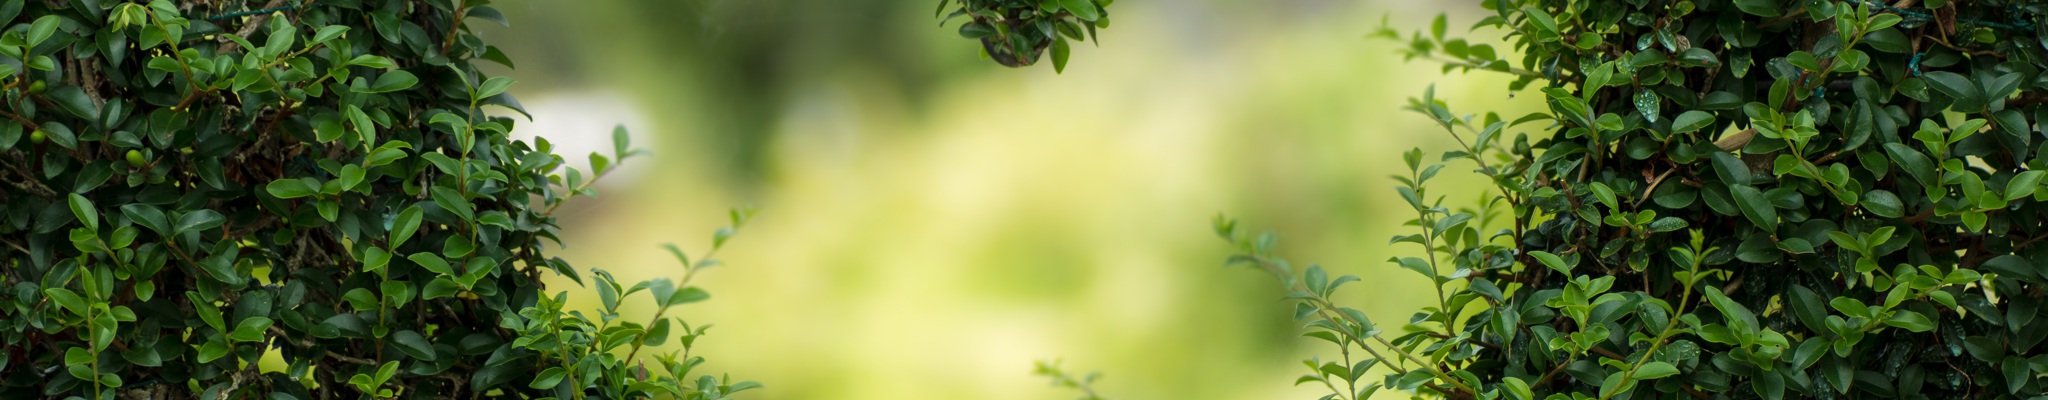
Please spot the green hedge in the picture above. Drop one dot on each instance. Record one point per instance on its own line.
(1741, 199)
(192, 186)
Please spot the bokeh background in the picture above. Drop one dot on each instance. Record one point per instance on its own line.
(932, 222)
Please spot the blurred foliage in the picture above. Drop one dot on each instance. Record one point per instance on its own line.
(930, 227)
(752, 56)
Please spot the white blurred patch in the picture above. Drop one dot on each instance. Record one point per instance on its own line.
(578, 123)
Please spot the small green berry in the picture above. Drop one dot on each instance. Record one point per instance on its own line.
(37, 137)
(135, 159)
(36, 87)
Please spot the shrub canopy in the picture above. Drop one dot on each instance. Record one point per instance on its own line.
(1016, 33)
(192, 187)
(1749, 198)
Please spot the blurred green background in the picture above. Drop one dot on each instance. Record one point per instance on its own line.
(932, 222)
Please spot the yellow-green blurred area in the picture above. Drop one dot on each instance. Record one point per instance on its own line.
(932, 222)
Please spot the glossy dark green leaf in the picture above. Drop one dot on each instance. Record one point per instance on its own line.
(453, 202)
(1755, 207)
(198, 220)
(293, 188)
(1083, 9)
(148, 216)
(1731, 169)
(1761, 8)
(432, 263)
(1913, 162)
(86, 213)
(1552, 261)
(73, 100)
(1691, 121)
(251, 330)
(548, 378)
(1883, 203)
(405, 224)
(391, 82)
(413, 345)
(1656, 369)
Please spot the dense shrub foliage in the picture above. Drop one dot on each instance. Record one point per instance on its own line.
(191, 187)
(1015, 33)
(1746, 198)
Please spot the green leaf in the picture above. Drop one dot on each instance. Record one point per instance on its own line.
(67, 299)
(145, 357)
(1518, 388)
(329, 32)
(212, 351)
(328, 130)
(251, 330)
(1883, 203)
(290, 188)
(1914, 163)
(1691, 121)
(413, 345)
(1605, 195)
(42, 29)
(656, 335)
(1083, 9)
(1755, 207)
(388, 370)
(207, 312)
(440, 287)
(1060, 52)
(1656, 369)
(351, 175)
(73, 100)
(2023, 185)
(1553, 261)
(1968, 98)
(1761, 8)
(1808, 307)
(198, 220)
(1738, 317)
(371, 61)
(1731, 169)
(453, 202)
(148, 216)
(1910, 320)
(688, 295)
(375, 258)
(432, 263)
(1648, 103)
(361, 299)
(493, 86)
(547, 379)
(77, 356)
(392, 81)
(622, 142)
(402, 228)
(2016, 371)
(83, 209)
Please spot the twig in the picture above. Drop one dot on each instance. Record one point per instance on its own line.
(1653, 186)
(347, 359)
(454, 27)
